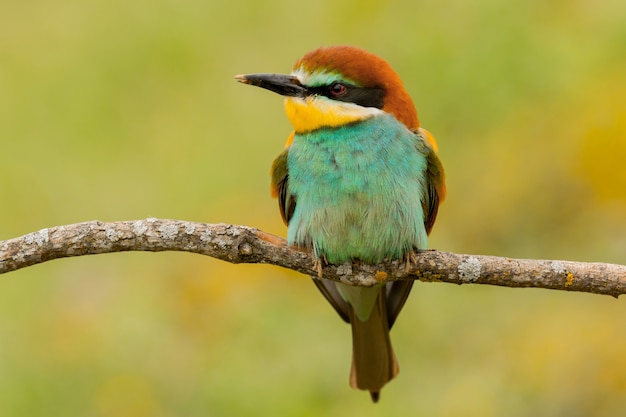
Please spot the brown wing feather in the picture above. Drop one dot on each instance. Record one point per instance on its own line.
(436, 189)
(397, 292)
(330, 292)
(280, 186)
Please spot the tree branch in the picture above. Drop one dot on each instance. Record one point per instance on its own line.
(242, 244)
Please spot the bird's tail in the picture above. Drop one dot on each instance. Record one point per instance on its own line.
(373, 361)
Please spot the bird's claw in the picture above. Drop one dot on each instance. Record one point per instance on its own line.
(409, 258)
(317, 265)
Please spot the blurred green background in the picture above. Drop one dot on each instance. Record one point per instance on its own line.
(119, 110)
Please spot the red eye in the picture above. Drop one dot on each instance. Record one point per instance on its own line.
(337, 89)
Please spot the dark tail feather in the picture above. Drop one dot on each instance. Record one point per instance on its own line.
(373, 361)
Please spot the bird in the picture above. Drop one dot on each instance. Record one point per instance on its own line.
(358, 181)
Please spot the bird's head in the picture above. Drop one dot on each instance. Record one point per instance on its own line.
(336, 85)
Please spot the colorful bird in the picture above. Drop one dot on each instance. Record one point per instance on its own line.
(358, 181)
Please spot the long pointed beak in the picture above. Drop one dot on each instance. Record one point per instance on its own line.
(285, 85)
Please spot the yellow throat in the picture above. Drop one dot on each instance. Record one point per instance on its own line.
(313, 112)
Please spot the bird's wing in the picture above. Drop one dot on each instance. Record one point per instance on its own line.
(397, 292)
(435, 191)
(280, 186)
(433, 195)
(330, 292)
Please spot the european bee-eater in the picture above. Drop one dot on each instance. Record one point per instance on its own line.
(358, 181)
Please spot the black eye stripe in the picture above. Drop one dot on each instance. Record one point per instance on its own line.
(362, 96)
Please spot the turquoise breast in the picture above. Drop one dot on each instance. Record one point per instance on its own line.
(359, 191)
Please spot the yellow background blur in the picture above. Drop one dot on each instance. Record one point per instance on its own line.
(119, 110)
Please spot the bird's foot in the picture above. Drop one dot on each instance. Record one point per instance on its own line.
(409, 258)
(318, 265)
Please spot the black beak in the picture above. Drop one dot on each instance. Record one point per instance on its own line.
(285, 85)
